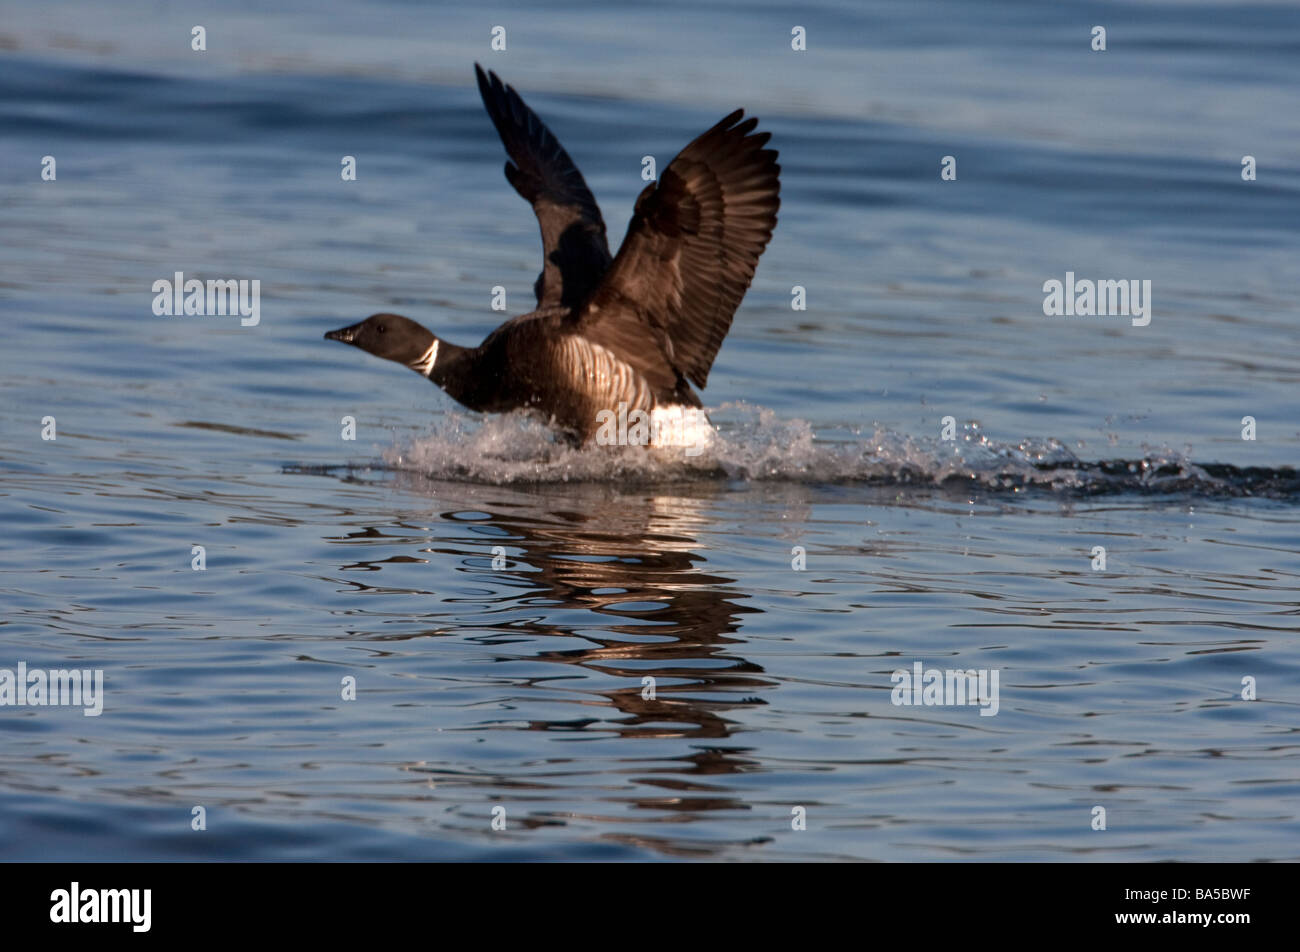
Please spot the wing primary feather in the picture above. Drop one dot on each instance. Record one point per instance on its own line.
(691, 250)
(575, 251)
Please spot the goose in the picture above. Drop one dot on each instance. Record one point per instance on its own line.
(623, 336)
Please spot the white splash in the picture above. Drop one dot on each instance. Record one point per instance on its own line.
(748, 443)
(681, 427)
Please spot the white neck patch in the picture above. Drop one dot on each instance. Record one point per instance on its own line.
(424, 365)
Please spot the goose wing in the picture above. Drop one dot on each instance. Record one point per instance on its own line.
(574, 250)
(689, 254)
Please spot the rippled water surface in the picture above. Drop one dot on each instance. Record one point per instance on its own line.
(501, 599)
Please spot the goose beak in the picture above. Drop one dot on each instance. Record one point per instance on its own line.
(343, 334)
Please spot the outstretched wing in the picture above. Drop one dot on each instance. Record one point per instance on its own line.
(690, 251)
(575, 252)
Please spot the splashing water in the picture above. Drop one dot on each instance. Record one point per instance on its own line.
(753, 444)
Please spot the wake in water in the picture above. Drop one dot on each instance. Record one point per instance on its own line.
(752, 444)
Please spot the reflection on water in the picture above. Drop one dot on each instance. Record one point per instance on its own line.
(660, 625)
(656, 615)
(521, 686)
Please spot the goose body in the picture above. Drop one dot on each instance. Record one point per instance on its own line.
(625, 335)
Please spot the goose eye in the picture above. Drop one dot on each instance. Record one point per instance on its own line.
(380, 328)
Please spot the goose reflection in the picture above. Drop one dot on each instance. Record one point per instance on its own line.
(663, 623)
(601, 587)
(666, 624)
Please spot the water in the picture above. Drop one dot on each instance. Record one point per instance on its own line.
(520, 686)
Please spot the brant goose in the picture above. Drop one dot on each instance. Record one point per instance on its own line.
(609, 336)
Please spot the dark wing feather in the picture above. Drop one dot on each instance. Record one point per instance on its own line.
(691, 250)
(575, 252)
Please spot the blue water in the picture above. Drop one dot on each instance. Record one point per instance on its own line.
(520, 685)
